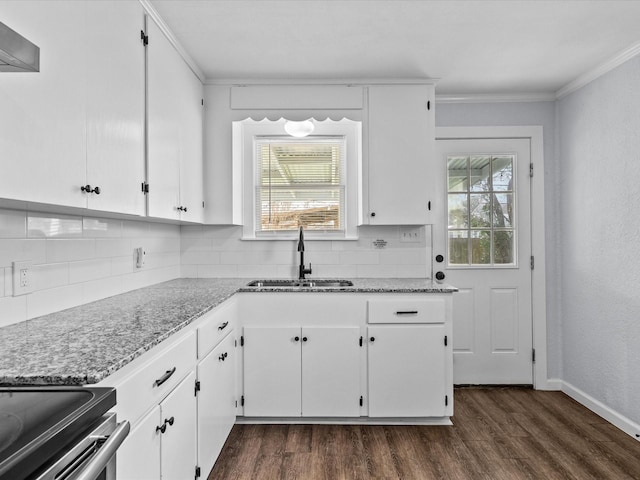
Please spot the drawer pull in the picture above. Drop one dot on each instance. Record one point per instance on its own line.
(407, 312)
(223, 356)
(223, 326)
(165, 377)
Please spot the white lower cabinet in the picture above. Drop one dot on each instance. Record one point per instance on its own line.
(302, 371)
(163, 443)
(406, 371)
(216, 401)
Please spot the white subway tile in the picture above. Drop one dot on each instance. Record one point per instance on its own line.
(256, 258)
(13, 224)
(355, 257)
(7, 273)
(334, 271)
(257, 271)
(88, 270)
(50, 275)
(101, 288)
(101, 227)
(113, 247)
(12, 250)
(135, 228)
(157, 244)
(53, 226)
(2, 280)
(196, 258)
(191, 231)
(402, 257)
(377, 271)
(195, 244)
(217, 271)
(70, 250)
(413, 271)
(13, 310)
(188, 271)
(164, 230)
(122, 265)
(52, 300)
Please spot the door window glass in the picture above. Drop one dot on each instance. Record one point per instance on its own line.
(481, 210)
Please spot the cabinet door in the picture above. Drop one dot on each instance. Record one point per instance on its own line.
(191, 167)
(164, 68)
(216, 401)
(331, 371)
(42, 118)
(401, 148)
(139, 455)
(272, 370)
(178, 444)
(115, 106)
(406, 368)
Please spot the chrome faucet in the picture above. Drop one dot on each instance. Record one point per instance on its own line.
(302, 270)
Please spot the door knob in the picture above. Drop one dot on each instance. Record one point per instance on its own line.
(440, 275)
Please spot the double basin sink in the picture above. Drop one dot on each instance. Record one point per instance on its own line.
(300, 283)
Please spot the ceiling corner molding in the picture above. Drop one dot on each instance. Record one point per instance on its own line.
(321, 81)
(588, 77)
(152, 12)
(496, 98)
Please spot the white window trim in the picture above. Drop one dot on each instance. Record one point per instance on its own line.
(244, 134)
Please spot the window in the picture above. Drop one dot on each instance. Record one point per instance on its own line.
(481, 210)
(300, 182)
(313, 181)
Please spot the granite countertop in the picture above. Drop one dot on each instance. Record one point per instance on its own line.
(85, 344)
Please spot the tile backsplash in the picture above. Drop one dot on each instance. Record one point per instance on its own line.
(218, 251)
(78, 259)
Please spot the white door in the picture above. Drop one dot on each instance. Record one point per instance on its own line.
(484, 249)
(406, 371)
(331, 371)
(272, 372)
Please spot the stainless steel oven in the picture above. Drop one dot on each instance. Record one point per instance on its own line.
(92, 456)
(59, 433)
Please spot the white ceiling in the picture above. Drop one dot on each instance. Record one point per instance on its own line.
(473, 47)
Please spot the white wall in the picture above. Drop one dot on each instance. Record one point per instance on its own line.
(599, 167)
(77, 259)
(527, 113)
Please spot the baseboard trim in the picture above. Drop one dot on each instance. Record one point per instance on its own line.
(343, 421)
(554, 384)
(623, 423)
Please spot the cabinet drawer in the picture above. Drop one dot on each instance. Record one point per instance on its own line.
(213, 330)
(148, 385)
(406, 310)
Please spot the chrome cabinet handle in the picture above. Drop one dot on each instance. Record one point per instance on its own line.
(165, 377)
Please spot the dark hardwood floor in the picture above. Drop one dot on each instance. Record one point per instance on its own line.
(498, 433)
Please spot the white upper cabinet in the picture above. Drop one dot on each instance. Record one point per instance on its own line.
(80, 120)
(115, 106)
(174, 116)
(42, 118)
(401, 140)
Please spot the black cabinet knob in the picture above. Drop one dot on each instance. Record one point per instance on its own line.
(297, 339)
(440, 275)
(181, 208)
(304, 339)
(439, 258)
(372, 339)
(373, 214)
(87, 188)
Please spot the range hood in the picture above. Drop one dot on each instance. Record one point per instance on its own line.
(17, 54)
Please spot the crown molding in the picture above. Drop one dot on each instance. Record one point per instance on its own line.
(320, 81)
(496, 98)
(588, 77)
(152, 12)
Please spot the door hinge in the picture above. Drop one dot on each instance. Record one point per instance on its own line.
(145, 187)
(533, 355)
(532, 263)
(198, 472)
(531, 169)
(242, 401)
(445, 341)
(197, 388)
(242, 340)
(360, 340)
(446, 400)
(361, 400)
(144, 38)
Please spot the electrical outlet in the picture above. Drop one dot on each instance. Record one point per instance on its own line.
(22, 281)
(411, 234)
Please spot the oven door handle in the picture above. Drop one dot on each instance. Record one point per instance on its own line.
(105, 453)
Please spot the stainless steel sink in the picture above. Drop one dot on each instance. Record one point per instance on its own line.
(301, 283)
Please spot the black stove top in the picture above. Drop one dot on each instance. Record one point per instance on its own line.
(38, 422)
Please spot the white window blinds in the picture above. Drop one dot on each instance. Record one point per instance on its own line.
(300, 183)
